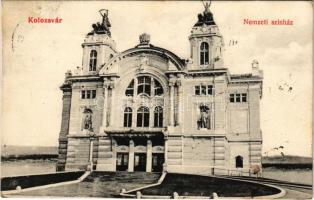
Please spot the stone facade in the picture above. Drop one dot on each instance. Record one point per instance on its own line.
(146, 109)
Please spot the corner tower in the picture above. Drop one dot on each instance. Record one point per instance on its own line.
(206, 42)
(98, 46)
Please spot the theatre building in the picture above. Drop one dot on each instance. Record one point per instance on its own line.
(147, 109)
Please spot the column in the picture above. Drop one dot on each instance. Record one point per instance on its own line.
(131, 156)
(171, 85)
(149, 156)
(134, 108)
(104, 118)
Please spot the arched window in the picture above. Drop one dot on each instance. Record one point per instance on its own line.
(130, 89)
(158, 88)
(127, 117)
(239, 161)
(144, 85)
(92, 60)
(158, 116)
(204, 53)
(143, 117)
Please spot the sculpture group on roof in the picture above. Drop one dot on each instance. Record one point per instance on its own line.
(205, 18)
(102, 28)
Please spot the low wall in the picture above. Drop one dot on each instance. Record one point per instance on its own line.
(11, 183)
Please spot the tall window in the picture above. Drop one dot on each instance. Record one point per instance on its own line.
(92, 60)
(204, 53)
(239, 161)
(127, 117)
(130, 89)
(158, 117)
(143, 117)
(144, 84)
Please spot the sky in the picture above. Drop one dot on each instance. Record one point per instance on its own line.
(36, 56)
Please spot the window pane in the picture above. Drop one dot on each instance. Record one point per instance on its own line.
(155, 119)
(88, 94)
(147, 89)
(232, 98)
(202, 58)
(140, 89)
(83, 94)
(209, 89)
(197, 90)
(130, 120)
(146, 119)
(93, 94)
(94, 64)
(160, 120)
(139, 119)
(238, 98)
(244, 99)
(203, 90)
(125, 121)
(140, 80)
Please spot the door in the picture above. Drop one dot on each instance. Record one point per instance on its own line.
(122, 161)
(140, 162)
(158, 160)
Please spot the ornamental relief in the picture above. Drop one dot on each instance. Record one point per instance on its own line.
(143, 100)
(140, 148)
(158, 149)
(122, 148)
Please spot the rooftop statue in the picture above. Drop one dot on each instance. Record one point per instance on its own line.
(206, 17)
(104, 27)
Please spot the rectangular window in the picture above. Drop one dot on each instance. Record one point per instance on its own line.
(238, 98)
(231, 98)
(88, 94)
(197, 90)
(244, 98)
(83, 94)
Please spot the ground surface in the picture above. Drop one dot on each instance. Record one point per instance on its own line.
(293, 193)
(99, 184)
(193, 185)
(291, 175)
(22, 167)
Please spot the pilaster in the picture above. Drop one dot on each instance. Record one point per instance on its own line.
(149, 156)
(131, 156)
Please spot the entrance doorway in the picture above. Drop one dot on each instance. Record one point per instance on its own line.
(122, 161)
(140, 162)
(158, 160)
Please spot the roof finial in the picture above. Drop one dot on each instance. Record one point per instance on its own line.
(206, 5)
